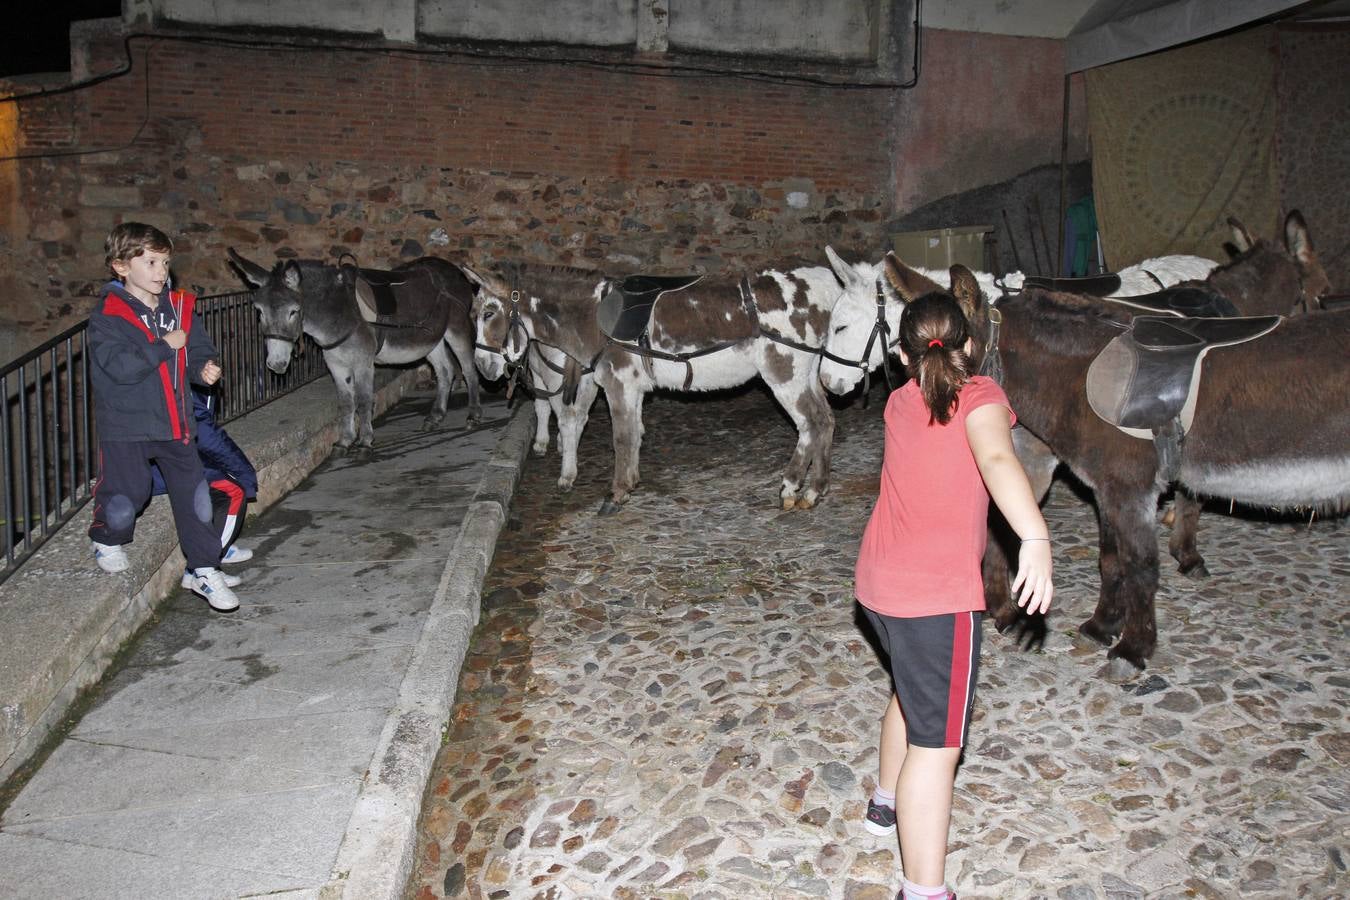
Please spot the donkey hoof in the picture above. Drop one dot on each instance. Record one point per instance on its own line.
(789, 502)
(538, 450)
(1196, 572)
(1119, 670)
(432, 423)
(565, 487)
(806, 502)
(609, 507)
(363, 453)
(1090, 634)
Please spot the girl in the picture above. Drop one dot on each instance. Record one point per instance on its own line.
(948, 450)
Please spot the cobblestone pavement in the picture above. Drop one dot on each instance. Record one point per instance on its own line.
(680, 700)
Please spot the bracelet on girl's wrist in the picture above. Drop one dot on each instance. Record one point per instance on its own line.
(1046, 539)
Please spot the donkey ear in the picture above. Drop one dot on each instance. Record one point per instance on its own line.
(966, 290)
(1296, 239)
(290, 276)
(254, 275)
(909, 284)
(846, 274)
(485, 282)
(1242, 238)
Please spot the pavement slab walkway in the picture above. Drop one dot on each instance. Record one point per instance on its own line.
(233, 755)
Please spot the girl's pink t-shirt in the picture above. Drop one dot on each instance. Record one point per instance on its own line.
(921, 550)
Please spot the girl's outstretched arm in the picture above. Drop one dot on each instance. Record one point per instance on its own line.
(989, 431)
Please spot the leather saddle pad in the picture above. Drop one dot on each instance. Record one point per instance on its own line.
(625, 310)
(377, 294)
(1150, 375)
(1181, 300)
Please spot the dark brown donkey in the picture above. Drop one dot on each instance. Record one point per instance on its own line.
(1270, 431)
(1263, 278)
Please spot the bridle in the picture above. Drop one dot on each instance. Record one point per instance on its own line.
(514, 367)
(879, 330)
(513, 322)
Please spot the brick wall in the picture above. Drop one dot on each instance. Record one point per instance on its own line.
(389, 155)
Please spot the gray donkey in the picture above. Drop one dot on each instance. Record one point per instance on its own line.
(361, 317)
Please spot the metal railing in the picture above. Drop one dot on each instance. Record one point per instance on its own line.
(48, 437)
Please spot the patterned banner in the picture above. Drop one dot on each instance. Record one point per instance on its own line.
(1181, 141)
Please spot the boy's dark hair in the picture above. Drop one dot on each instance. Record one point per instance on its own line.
(131, 239)
(933, 334)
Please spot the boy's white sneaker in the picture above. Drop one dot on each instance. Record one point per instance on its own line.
(111, 558)
(209, 584)
(235, 554)
(231, 581)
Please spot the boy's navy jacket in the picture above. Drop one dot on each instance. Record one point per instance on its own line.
(221, 456)
(140, 383)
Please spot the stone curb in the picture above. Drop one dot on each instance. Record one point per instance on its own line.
(378, 846)
(64, 621)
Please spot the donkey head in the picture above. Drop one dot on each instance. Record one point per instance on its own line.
(1269, 267)
(500, 337)
(278, 299)
(854, 334)
(909, 284)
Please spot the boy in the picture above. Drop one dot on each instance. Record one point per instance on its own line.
(144, 345)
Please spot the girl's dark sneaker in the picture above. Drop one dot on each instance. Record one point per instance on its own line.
(880, 820)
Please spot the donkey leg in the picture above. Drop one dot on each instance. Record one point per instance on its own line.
(1139, 554)
(820, 421)
(1129, 568)
(365, 410)
(1104, 625)
(1185, 526)
(444, 367)
(543, 411)
(344, 381)
(625, 409)
(461, 349)
(794, 396)
(572, 419)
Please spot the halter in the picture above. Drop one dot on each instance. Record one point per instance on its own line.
(513, 322)
(514, 368)
(879, 329)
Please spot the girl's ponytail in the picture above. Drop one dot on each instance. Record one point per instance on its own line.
(933, 334)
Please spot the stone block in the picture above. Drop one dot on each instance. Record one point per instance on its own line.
(113, 196)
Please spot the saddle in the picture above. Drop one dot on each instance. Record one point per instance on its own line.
(1092, 285)
(377, 295)
(625, 311)
(1181, 300)
(1145, 382)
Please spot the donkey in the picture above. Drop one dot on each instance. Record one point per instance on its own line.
(747, 320)
(320, 300)
(1268, 431)
(1261, 279)
(553, 377)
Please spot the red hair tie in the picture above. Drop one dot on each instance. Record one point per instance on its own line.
(936, 342)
